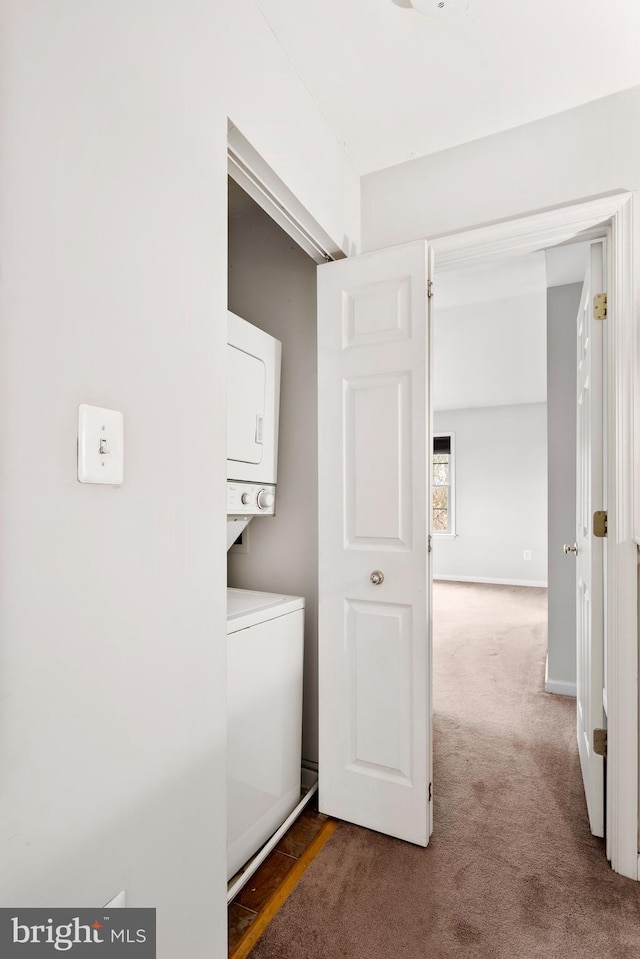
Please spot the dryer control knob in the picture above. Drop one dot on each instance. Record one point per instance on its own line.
(246, 498)
(265, 499)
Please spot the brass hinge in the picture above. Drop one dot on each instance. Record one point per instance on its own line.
(600, 306)
(600, 523)
(600, 742)
(429, 288)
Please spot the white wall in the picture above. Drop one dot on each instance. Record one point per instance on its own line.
(501, 495)
(562, 310)
(591, 150)
(490, 354)
(113, 246)
(272, 283)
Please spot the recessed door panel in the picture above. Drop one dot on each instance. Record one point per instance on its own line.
(377, 312)
(379, 639)
(378, 461)
(584, 459)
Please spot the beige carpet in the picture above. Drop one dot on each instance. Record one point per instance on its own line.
(512, 871)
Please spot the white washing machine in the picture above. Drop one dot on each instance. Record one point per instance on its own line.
(264, 715)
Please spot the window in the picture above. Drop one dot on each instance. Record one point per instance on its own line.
(442, 503)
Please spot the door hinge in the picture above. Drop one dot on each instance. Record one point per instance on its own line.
(600, 523)
(600, 306)
(429, 288)
(430, 792)
(430, 540)
(600, 742)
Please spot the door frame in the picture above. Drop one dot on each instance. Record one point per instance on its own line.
(609, 216)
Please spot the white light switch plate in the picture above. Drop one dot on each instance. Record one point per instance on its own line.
(100, 445)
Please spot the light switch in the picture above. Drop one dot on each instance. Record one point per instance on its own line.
(100, 445)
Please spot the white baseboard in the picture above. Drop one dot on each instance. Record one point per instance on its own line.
(560, 688)
(487, 579)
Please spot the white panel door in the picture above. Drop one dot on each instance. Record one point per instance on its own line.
(589, 554)
(374, 566)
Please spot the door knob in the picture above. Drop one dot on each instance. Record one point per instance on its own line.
(377, 577)
(570, 549)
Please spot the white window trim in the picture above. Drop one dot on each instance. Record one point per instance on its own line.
(451, 532)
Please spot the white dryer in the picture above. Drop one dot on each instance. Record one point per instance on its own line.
(264, 717)
(253, 407)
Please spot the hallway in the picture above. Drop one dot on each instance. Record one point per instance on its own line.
(512, 869)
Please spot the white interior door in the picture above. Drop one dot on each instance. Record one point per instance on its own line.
(590, 549)
(374, 565)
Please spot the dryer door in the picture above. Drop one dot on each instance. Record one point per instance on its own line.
(253, 402)
(245, 406)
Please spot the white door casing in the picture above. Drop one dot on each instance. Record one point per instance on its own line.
(590, 549)
(374, 481)
(610, 215)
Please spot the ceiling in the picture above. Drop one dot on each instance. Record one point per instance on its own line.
(566, 264)
(490, 282)
(394, 84)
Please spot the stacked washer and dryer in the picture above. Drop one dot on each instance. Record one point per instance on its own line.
(264, 630)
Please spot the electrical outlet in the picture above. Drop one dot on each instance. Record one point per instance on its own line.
(241, 544)
(526, 554)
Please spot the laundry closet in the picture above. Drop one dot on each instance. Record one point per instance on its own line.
(272, 287)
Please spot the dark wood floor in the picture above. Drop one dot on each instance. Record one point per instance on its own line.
(258, 896)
